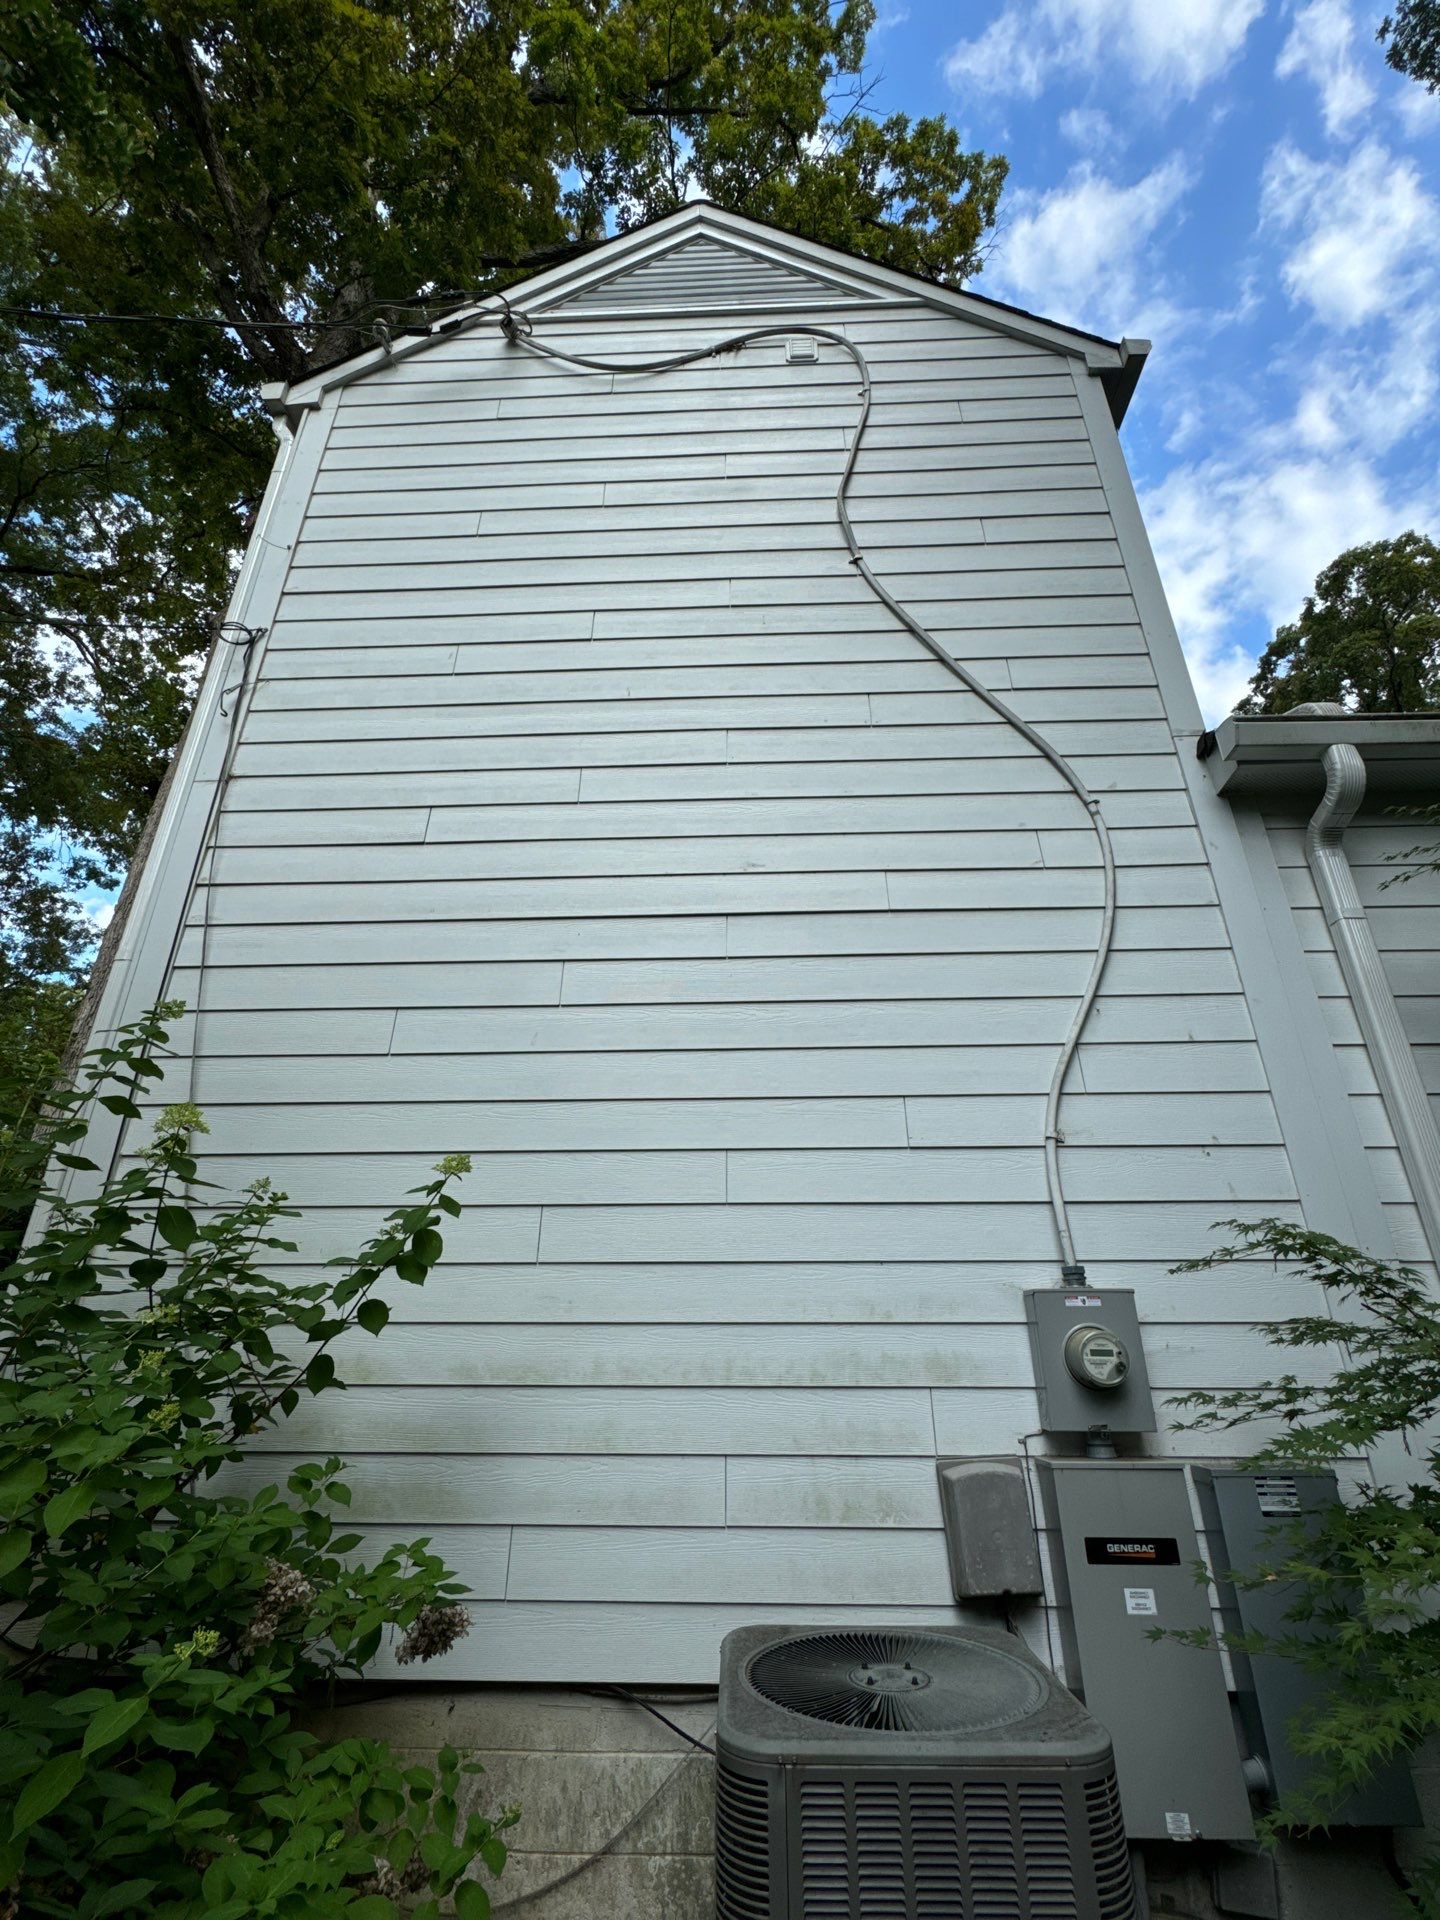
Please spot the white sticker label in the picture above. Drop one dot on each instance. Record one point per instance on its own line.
(1140, 1600)
(1179, 1826)
(1083, 1300)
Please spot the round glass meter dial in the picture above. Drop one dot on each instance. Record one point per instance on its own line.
(1097, 1358)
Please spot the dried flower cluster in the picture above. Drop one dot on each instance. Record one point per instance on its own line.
(395, 1886)
(285, 1590)
(435, 1631)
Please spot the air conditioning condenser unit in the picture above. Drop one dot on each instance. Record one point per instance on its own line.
(935, 1775)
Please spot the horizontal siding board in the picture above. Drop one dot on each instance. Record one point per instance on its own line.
(922, 977)
(755, 1566)
(415, 901)
(1098, 1119)
(303, 656)
(509, 1179)
(814, 1073)
(767, 1176)
(949, 814)
(820, 1493)
(562, 1490)
(1118, 776)
(971, 1173)
(1172, 1231)
(633, 856)
(839, 1024)
(768, 1356)
(436, 1420)
(737, 894)
(504, 984)
(957, 1293)
(553, 1126)
(982, 930)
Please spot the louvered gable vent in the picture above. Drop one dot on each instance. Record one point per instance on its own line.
(703, 273)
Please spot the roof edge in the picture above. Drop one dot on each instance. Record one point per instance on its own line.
(1118, 364)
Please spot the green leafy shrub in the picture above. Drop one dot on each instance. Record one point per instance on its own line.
(1364, 1581)
(163, 1636)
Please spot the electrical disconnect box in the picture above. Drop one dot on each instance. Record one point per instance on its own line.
(1089, 1363)
(989, 1531)
(1125, 1565)
(1253, 1512)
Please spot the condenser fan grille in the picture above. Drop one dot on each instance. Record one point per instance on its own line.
(897, 1682)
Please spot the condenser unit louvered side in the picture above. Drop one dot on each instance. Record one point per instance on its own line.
(840, 1823)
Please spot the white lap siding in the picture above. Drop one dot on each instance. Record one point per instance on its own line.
(591, 817)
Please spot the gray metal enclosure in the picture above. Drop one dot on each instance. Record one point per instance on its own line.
(589, 816)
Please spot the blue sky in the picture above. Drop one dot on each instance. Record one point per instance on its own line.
(1251, 187)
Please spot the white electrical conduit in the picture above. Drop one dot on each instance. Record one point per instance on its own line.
(520, 332)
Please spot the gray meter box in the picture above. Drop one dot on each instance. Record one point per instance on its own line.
(1250, 1510)
(1126, 1565)
(1057, 1318)
(989, 1532)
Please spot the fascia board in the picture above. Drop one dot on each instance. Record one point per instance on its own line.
(545, 290)
(160, 892)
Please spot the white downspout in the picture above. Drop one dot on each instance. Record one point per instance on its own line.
(1406, 1101)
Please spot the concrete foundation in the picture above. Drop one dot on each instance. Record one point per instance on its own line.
(618, 1810)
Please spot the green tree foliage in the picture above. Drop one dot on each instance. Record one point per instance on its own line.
(1412, 41)
(1368, 637)
(165, 1631)
(330, 162)
(1363, 1619)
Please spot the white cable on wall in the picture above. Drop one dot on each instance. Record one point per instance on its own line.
(519, 330)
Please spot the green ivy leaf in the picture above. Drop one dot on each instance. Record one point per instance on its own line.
(65, 1508)
(55, 1781)
(117, 1103)
(320, 1372)
(372, 1906)
(14, 1545)
(114, 1721)
(373, 1315)
(176, 1227)
(182, 1736)
(428, 1246)
(472, 1902)
(20, 1485)
(411, 1269)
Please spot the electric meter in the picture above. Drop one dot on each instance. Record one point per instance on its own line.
(1097, 1358)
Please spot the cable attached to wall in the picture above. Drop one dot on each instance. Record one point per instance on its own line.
(519, 330)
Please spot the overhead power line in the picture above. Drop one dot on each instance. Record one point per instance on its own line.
(357, 323)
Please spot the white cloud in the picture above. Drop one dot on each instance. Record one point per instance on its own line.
(1419, 109)
(888, 16)
(1367, 231)
(1091, 130)
(1235, 539)
(1321, 49)
(1077, 252)
(1173, 47)
(1240, 537)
